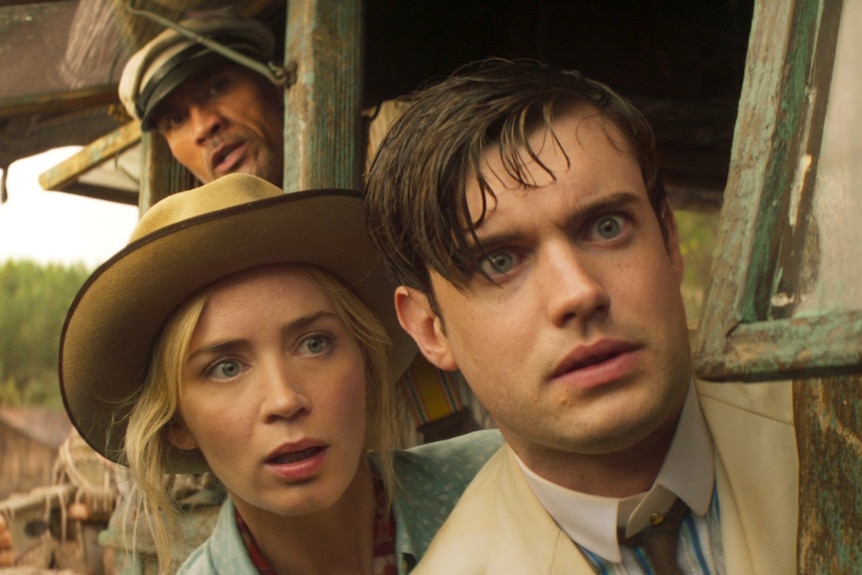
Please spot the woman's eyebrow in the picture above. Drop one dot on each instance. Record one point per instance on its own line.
(304, 322)
(295, 325)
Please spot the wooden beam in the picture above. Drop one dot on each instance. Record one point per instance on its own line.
(54, 103)
(828, 416)
(116, 195)
(68, 171)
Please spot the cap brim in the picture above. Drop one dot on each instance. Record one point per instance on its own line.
(187, 70)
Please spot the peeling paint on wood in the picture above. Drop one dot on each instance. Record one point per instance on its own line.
(831, 344)
(749, 329)
(828, 415)
(323, 108)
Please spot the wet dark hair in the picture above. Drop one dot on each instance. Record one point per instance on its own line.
(415, 198)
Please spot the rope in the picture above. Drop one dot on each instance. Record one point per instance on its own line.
(98, 495)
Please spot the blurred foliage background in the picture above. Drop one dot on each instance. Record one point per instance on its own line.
(33, 303)
(697, 232)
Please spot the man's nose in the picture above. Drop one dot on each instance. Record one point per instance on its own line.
(206, 122)
(573, 286)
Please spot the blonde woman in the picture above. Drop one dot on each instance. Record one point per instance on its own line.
(251, 333)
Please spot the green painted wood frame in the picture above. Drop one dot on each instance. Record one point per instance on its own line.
(745, 334)
(323, 102)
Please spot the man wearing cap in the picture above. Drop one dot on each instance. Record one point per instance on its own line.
(224, 114)
(217, 115)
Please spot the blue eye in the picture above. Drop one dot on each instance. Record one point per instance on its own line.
(500, 262)
(316, 344)
(609, 227)
(226, 369)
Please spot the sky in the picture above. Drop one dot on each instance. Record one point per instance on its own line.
(47, 226)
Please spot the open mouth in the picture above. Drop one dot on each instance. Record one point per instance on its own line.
(295, 456)
(222, 153)
(592, 360)
(601, 353)
(584, 362)
(218, 158)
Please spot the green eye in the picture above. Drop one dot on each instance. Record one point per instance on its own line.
(500, 262)
(316, 344)
(226, 369)
(609, 227)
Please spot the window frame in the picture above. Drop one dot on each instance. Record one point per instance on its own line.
(742, 336)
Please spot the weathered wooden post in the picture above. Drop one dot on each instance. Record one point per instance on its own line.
(323, 54)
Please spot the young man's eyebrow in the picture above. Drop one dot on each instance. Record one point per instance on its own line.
(605, 203)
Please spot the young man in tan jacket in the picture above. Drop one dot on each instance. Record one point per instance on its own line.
(521, 210)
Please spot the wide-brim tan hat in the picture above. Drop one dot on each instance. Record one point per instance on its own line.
(169, 59)
(182, 244)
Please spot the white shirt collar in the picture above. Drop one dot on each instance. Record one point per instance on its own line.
(688, 472)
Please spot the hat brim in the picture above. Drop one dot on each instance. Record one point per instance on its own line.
(112, 324)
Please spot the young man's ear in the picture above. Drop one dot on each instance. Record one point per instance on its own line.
(425, 327)
(180, 436)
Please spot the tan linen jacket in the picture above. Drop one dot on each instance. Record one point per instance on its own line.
(499, 527)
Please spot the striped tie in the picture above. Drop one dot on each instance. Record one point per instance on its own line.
(660, 540)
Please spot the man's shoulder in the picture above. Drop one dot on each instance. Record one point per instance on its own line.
(770, 400)
(475, 511)
(498, 526)
(432, 477)
(463, 542)
(486, 483)
(430, 481)
(469, 445)
(449, 462)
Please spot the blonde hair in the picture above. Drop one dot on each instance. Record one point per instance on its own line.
(156, 406)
